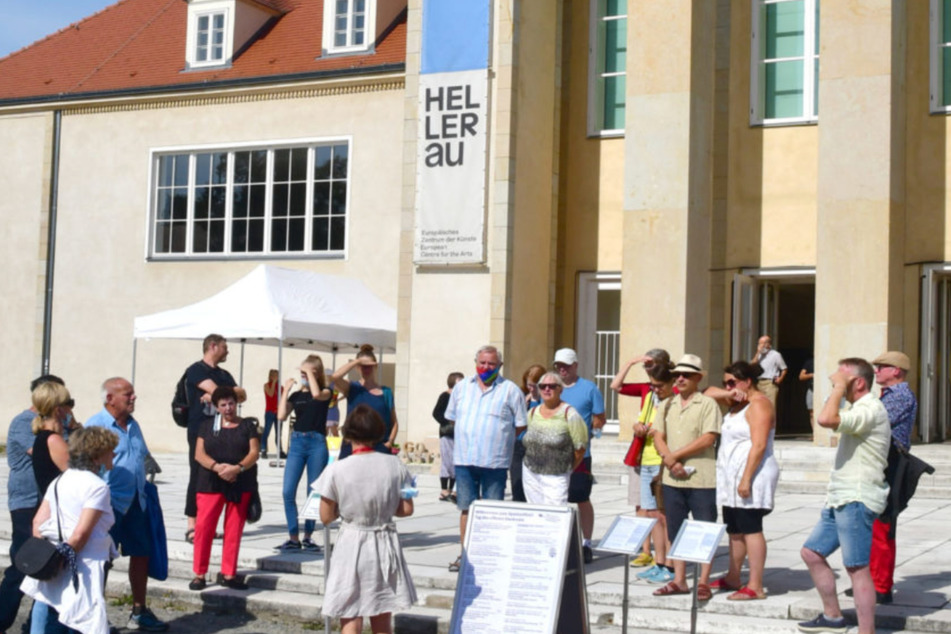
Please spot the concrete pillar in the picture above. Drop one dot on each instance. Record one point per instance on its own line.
(861, 184)
(668, 185)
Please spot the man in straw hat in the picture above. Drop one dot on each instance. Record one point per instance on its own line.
(685, 430)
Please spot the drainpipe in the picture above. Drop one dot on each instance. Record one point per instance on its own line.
(51, 243)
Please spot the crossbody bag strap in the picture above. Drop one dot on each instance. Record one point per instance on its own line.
(59, 517)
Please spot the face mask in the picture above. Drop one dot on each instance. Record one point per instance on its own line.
(69, 420)
(489, 376)
(303, 382)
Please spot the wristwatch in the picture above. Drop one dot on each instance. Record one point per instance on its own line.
(241, 467)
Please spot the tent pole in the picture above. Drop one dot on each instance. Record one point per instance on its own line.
(241, 371)
(280, 384)
(135, 343)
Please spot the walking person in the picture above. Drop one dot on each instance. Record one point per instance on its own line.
(368, 576)
(227, 452)
(367, 390)
(307, 447)
(271, 391)
(447, 470)
(747, 474)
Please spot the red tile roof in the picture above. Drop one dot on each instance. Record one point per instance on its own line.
(140, 44)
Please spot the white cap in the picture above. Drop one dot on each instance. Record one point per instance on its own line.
(566, 356)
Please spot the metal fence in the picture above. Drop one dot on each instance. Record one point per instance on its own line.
(606, 361)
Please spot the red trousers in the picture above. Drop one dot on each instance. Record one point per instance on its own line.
(209, 510)
(882, 559)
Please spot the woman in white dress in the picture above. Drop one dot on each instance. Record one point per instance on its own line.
(85, 509)
(368, 574)
(747, 473)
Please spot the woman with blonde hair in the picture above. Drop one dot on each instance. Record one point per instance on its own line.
(78, 506)
(308, 444)
(367, 391)
(53, 406)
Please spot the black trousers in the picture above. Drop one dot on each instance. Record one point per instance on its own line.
(10, 594)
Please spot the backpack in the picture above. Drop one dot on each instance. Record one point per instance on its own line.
(180, 402)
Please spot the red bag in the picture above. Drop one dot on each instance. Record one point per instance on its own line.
(635, 451)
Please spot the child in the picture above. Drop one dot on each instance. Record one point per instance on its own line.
(366, 491)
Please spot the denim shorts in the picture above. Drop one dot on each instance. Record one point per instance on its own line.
(848, 526)
(478, 483)
(647, 473)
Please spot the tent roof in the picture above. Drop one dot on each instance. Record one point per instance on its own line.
(274, 304)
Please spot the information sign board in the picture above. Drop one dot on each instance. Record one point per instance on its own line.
(697, 541)
(626, 534)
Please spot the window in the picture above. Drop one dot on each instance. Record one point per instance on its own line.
(940, 55)
(210, 43)
(345, 25)
(607, 67)
(251, 201)
(784, 86)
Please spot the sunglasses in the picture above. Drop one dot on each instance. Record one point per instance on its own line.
(729, 384)
(687, 375)
(544, 387)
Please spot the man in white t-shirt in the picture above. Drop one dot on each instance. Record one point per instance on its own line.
(774, 368)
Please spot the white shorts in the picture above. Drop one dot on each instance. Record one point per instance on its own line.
(545, 489)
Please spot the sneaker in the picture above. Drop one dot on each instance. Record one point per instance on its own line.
(588, 554)
(289, 546)
(647, 574)
(146, 621)
(660, 575)
(308, 544)
(643, 559)
(824, 624)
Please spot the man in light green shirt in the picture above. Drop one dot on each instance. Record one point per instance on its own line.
(856, 496)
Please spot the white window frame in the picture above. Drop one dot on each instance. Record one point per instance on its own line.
(369, 28)
(595, 74)
(227, 37)
(270, 147)
(936, 66)
(757, 68)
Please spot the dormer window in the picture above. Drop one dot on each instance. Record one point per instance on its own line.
(348, 25)
(210, 45)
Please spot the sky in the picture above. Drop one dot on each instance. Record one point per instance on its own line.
(23, 22)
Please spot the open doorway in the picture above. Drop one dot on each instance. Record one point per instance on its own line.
(599, 336)
(781, 304)
(934, 408)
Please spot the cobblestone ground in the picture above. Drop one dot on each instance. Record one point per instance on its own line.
(187, 619)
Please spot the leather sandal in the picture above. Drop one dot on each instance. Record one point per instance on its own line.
(198, 583)
(721, 585)
(670, 589)
(456, 565)
(703, 592)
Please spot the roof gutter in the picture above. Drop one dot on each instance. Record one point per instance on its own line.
(245, 82)
(51, 241)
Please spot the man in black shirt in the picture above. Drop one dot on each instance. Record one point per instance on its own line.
(201, 380)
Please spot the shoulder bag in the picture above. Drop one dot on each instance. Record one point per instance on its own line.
(38, 556)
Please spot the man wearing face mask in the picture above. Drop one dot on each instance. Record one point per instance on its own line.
(489, 412)
(774, 368)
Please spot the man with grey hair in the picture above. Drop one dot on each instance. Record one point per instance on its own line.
(489, 412)
(774, 368)
(856, 496)
(126, 483)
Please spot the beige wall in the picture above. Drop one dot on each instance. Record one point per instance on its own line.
(103, 279)
(24, 207)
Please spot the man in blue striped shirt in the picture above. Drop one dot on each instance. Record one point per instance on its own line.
(489, 412)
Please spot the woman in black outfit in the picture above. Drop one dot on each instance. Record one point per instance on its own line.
(447, 468)
(50, 453)
(308, 444)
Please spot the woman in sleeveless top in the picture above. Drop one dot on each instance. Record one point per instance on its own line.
(555, 444)
(367, 391)
(50, 453)
(747, 473)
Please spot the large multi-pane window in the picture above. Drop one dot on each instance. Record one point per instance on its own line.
(940, 55)
(266, 201)
(210, 38)
(608, 66)
(785, 61)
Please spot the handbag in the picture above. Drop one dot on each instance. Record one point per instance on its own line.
(636, 450)
(254, 507)
(38, 557)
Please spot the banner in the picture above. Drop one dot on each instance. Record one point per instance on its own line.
(452, 132)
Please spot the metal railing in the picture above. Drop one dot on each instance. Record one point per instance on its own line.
(606, 360)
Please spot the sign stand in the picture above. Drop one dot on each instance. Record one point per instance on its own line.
(626, 536)
(696, 542)
(522, 570)
(311, 511)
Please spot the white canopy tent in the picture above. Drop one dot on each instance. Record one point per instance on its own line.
(281, 307)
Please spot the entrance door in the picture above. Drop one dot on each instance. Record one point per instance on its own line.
(935, 404)
(599, 335)
(780, 304)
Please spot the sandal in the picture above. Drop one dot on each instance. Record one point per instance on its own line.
(190, 536)
(721, 585)
(670, 589)
(444, 497)
(198, 583)
(703, 592)
(456, 565)
(746, 594)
